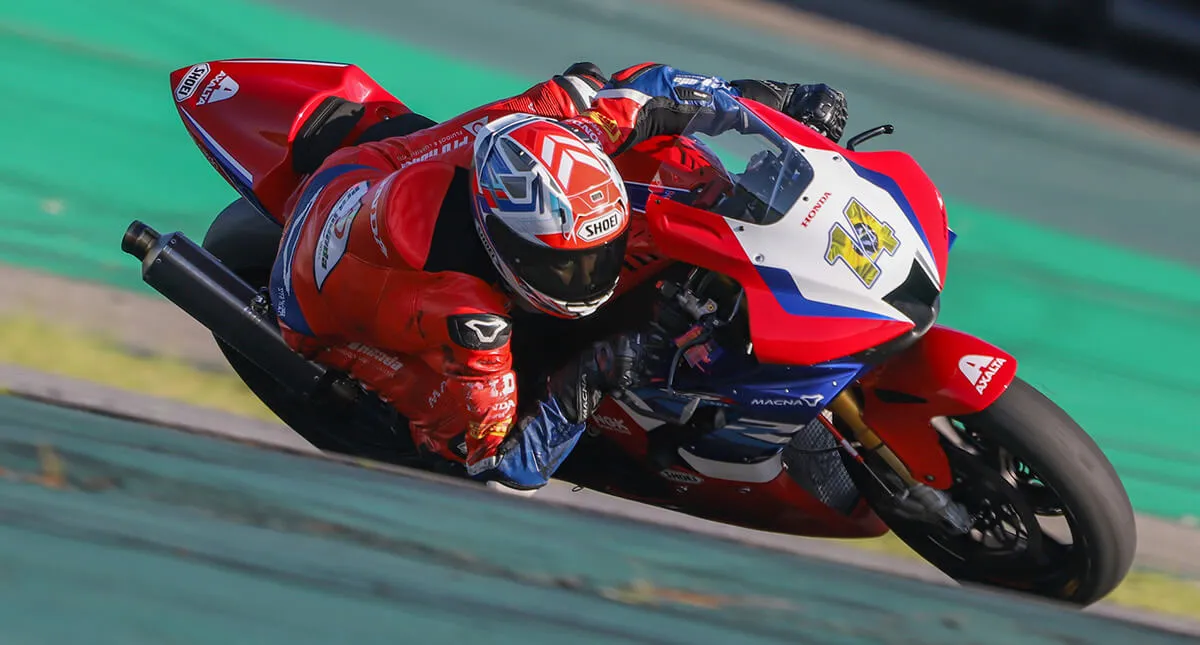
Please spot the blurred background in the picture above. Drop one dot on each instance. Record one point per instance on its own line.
(1063, 134)
(1139, 55)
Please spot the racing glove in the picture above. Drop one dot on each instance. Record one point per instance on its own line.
(818, 106)
(581, 81)
(543, 437)
(651, 99)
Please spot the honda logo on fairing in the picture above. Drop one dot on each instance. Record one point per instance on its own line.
(813, 211)
(808, 400)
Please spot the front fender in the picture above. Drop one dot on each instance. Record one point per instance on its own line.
(946, 373)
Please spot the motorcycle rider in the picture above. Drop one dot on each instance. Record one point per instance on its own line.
(403, 259)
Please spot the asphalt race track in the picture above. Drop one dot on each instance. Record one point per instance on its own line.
(139, 533)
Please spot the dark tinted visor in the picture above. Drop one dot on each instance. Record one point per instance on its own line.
(572, 276)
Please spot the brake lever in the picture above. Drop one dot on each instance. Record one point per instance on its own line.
(869, 134)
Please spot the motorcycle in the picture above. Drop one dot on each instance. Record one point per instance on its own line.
(812, 392)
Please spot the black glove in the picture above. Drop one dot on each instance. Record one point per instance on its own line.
(581, 81)
(621, 362)
(818, 106)
(589, 72)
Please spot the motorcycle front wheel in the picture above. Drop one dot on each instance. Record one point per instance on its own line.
(1049, 515)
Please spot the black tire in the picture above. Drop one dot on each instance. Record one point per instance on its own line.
(1067, 467)
(246, 242)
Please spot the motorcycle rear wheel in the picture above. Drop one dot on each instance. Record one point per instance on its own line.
(1021, 459)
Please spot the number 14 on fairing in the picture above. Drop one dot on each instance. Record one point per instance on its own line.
(860, 249)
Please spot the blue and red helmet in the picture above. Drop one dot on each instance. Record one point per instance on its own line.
(552, 212)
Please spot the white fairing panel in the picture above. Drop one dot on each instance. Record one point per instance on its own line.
(838, 205)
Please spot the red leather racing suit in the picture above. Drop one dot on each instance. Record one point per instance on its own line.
(365, 283)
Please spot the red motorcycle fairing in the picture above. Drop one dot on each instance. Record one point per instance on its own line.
(946, 373)
(778, 504)
(698, 237)
(897, 173)
(245, 114)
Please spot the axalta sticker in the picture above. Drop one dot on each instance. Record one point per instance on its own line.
(331, 246)
(980, 369)
(812, 212)
(594, 229)
(220, 88)
(679, 476)
(611, 424)
(190, 81)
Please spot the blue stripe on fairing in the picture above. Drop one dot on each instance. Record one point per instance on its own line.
(241, 179)
(224, 158)
(783, 286)
(889, 185)
(283, 298)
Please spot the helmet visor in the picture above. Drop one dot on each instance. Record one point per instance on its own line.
(577, 275)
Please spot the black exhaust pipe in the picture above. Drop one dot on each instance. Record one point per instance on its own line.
(208, 291)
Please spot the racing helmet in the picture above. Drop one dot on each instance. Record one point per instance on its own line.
(552, 212)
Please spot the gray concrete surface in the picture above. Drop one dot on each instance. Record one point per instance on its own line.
(142, 324)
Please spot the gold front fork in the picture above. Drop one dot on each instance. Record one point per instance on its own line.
(844, 407)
